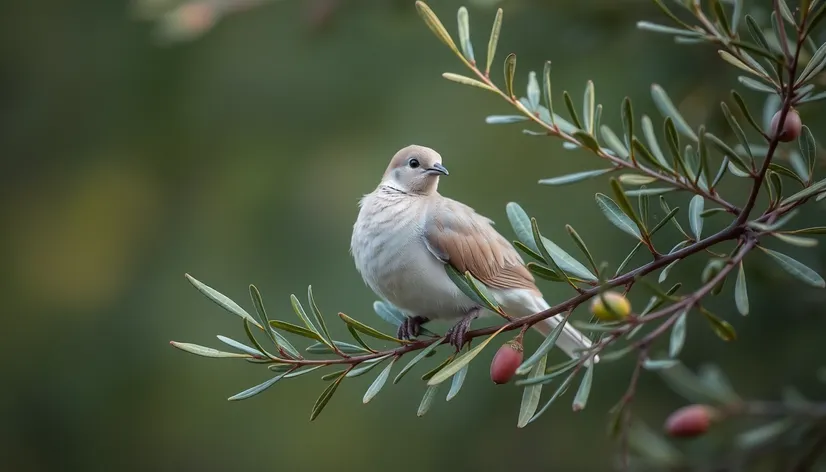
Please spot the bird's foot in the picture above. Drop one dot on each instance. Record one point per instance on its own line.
(411, 327)
(457, 335)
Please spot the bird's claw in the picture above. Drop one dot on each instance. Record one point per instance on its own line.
(457, 335)
(411, 327)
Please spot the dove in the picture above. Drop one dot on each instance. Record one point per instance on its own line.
(406, 232)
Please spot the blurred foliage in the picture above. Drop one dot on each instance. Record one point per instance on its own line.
(242, 155)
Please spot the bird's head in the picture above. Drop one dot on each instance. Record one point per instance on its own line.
(415, 169)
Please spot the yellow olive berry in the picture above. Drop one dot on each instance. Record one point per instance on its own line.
(620, 307)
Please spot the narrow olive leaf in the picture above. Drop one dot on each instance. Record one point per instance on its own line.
(721, 327)
(666, 270)
(727, 151)
(624, 204)
(815, 65)
(776, 186)
(208, 351)
(456, 383)
(695, 208)
(521, 224)
(745, 110)
(248, 331)
(563, 262)
(464, 34)
(544, 272)
(510, 71)
(367, 367)
(616, 216)
(295, 329)
(505, 119)
(757, 32)
(531, 394)
(299, 310)
(546, 87)
(436, 26)
(462, 360)
(659, 364)
(258, 303)
(461, 79)
(240, 346)
(764, 434)
(584, 390)
(812, 230)
(482, 292)
(657, 28)
(588, 107)
(357, 338)
(649, 191)
(552, 372)
(569, 104)
(464, 285)
(586, 140)
(653, 144)
(494, 40)
(778, 169)
(796, 268)
(758, 86)
(726, 56)
(677, 341)
(346, 348)
(722, 19)
(388, 312)
(558, 393)
(377, 384)
(628, 120)
(221, 300)
(319, 318)
(673, 140)
(808, 148)
(738, 131)
(252, 391)
(325, 397)
(667, 108)
(627, 258)
(720, 172)
(576, 177)
(582, 247)
(613, 142)
(528, 251)
(805, 193)
(636, 179)
(427, 400)
(741, 295)
(543, 349)
(533, 92)
(664, 205)
(372, 332)
(430, 373)
(642, 151)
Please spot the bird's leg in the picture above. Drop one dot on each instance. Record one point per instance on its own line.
(456, 335)
(411, 327)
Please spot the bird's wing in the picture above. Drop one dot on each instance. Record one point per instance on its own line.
(457, 235)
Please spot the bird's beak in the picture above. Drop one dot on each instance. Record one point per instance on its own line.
(437, 169)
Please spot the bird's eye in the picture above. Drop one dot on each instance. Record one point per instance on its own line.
(413, 163)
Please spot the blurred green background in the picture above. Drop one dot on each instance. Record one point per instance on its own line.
(239, 156)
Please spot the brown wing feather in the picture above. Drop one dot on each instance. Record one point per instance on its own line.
(459, 236)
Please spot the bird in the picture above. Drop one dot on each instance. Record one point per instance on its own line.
(405, 234)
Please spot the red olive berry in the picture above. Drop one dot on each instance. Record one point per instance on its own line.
(690, 421)
(792, 127)
(507, 359)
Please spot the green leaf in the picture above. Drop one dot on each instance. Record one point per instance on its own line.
(533, 92)
(582, 247)
(584, 391)
(464, 80)
(796, 268)
(531, 394)
(546, 87)
(377, 384)
(668, 109)
(659, 364)
(613, 142)
(510, 70)
(367, 367)
(666, 270)
(221, 300)
(464, 34)
(317, 315)
(325, 397)
(561, 260)
(372, 332)
(805, 193)
(756, 85)
(812, 230)
(649, 191)
(628, 258)
(651, 139)
(388, 312)
(461, 361)
(721, 327)
(745, 110)
(588, 107)
(738, 131)
(546, 254)
(677, 340)
(688, 385)
(756, 32)
(207, 351)
(695, 208)
(728, 57)
(796, 240)
(543, 349)
(544, 272)
(252, 391)
(427, 400)
(575, 177)
(808, 148)
(355, 335)
(815, 65)
(240, 346)
(713, 378)
(521, 224)
(457, 382)
(586, 140)
(436, 26)
(559, 391)
(628, 120)
(346, 348)
(295, 329)
(657, 28)
(429, 374)
(636, 179)
(299, 310)
(550, 373)
(505, 119)
(764, 434)
(741, 296)
(616, 216)
(728, 152)
(494, 39)
(569, 104)
(258, 303)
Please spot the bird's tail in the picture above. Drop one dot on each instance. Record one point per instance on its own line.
(570, 340)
